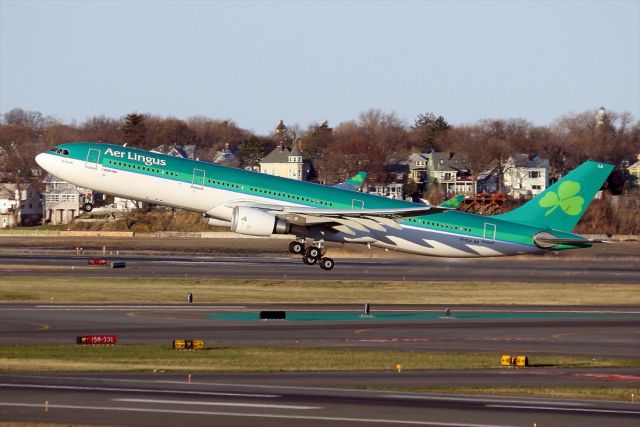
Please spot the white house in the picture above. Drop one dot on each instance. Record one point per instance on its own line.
(19, 205)
(525, 176)
(451, 172)
(62, 201)
(285, 162)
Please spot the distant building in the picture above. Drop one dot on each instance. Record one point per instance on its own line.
(418, 169)
(634, 173)
(227, 156)
(396, 176)
(285, 162)
(63, 201)
(451, 172)
(488, 181)
(19, 206)
(525, 176)
(178, 150)
(391, 190)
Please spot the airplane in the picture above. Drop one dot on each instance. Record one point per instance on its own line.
(256, 204)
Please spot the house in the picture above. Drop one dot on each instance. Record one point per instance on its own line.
(227, 156)
(63, 201)
(451, 172)
(392, 190)
(178, 150)
(285, 162)
(488, 181)
(396, 177)
(19, 205)
(634, 173)
(525, 176)
(418, 169)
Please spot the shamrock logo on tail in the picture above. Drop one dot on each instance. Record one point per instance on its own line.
(566, 198)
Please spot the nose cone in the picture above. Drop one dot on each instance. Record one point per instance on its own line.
(44, 161)
(40, 160)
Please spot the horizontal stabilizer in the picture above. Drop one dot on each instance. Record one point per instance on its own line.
(549, 242)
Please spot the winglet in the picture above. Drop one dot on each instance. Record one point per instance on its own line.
(353, 183)
(452, 203)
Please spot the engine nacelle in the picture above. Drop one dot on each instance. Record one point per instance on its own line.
(256, 222)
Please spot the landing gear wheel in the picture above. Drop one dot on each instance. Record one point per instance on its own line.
(313, 252)
(296, 248)
(87, 207)
(309, 261)
(326, 263)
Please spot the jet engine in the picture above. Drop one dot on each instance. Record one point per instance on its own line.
(257, 222)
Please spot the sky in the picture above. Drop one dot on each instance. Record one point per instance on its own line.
(257, 62)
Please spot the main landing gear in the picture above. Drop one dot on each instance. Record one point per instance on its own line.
(312, 255)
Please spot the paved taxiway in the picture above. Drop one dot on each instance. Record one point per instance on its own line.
(168, 399)
(520, 269)
(585, 331)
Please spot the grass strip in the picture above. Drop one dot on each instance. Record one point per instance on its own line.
(173, 290)
(128, 358)
(623, 394)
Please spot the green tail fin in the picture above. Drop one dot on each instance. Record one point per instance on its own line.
(452, 203)
(358, 179)
(561, 206)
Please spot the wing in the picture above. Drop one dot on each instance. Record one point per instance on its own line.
(344, 220)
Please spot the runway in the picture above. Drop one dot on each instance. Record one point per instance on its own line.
(585, 331)
(169, 399)
(323, 398)
(515, 269)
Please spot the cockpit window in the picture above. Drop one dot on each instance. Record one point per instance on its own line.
(60, 151)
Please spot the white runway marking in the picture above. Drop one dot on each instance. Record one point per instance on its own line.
(136, 390)
(478, 399)
(237, 414)
(247, 405)
(556, 408)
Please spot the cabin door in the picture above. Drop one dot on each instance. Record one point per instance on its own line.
(357, 204)
(489, 235)
(198, 179)
(93, 157)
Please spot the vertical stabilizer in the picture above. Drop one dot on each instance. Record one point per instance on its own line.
(561, 206)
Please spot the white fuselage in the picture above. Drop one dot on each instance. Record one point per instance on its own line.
(214, 202)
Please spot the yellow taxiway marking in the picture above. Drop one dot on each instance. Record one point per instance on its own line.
(359, 331)
(41, 326)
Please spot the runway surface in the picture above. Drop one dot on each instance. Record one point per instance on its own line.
(321, 398)
(590, 331)
(162, 399)
(515, 269)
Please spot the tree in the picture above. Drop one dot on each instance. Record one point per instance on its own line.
(386, 131)
(316, 139)
(428, 131)
(134, 129)
(250, 151)
(282, 135)
(33, 120)
(342, 160)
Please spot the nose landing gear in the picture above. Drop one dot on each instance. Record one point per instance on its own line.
(312, 255)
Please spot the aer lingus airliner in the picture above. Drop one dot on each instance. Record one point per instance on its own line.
(260, 205)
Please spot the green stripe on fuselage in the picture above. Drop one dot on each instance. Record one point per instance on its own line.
(297, 192)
